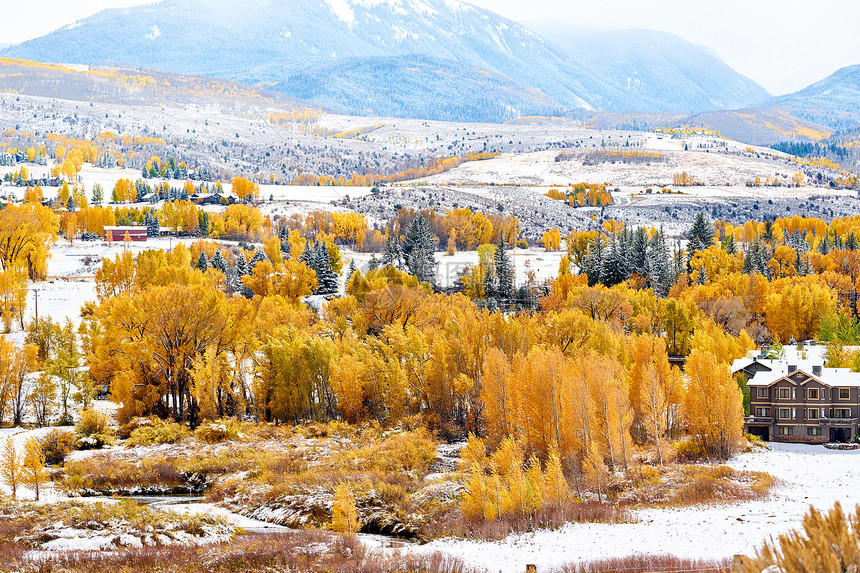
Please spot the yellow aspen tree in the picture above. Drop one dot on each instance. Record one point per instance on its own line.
(496, 393)
(556, 489)
(536, 485)
(345, 518)
(10, 466)
(654, 403)
(34, 465)
(714, 406)
(474, 501)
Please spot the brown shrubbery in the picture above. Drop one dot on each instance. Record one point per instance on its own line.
(255, 554)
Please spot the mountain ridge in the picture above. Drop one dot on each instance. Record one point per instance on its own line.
(267, 43)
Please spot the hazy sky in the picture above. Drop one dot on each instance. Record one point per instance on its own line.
(782, 44)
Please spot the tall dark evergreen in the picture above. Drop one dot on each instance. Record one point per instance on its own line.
(637, 253)
(392, 255)
(242, 267)
(259, 256)
(419, 250)
(659, 262)
(504, 282)
(595, 260)
(316, 257)
(701, 235)
(218, 262)
(203, 262)
(153, 229)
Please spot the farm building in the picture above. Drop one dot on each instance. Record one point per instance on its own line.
(115, 234)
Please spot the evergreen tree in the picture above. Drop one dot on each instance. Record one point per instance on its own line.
(637, 253)
(504, 273)
(219, 263)
(153, 227)
(259, 255)
(70, 205)
(98, 194)
(659, 265)
(701, 235)
(851, 242)
(730, 246)
(373, 263)
(203, 262)
(350, 270)
(594, 261)
(316, 257)
(392, 255)
(242, 267)
(419, 248)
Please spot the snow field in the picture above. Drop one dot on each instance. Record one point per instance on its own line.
(809, 476)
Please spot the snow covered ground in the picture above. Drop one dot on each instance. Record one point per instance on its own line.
(810, 475)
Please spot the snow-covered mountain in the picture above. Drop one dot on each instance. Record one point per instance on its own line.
(833, 101)
(373, 55)
(659, 67)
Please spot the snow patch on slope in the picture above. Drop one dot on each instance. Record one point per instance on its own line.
(342, 10)
(154, 33)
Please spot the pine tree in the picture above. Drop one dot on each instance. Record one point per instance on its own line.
(504, 273)
(219, 263)
(350, 270)
(203, 262)
(373, 263)
(316, 257)
(419, 248)
(242, 268)
(153, 228)
(637, 253)
(392, 255)
(259, 255)
(659, 265)
(701, 235)
(594, 261)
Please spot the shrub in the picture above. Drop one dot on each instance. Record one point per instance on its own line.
(646, 564)
(222, 431)
(93, 430)
(828, 543)
(56, 445)
(157, 432)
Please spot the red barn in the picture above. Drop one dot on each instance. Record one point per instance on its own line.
(115, 234)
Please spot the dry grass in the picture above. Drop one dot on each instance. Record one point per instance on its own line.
(454, 524)
(689, 485)
(828, 542)
(647, 564)
(293, 551)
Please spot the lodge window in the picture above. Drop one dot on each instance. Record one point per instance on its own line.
(813, 431)
(842, 412)
(784, 393)
(784, 413)
(762, 392)
(812, 394)
(844, 393)
(762, 412)
(812, 414)
(785, 430)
